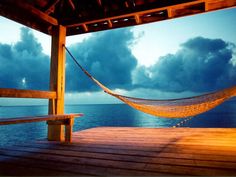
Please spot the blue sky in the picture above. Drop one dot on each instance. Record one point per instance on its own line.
(168, 59)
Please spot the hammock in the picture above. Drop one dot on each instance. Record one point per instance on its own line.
(171, 108)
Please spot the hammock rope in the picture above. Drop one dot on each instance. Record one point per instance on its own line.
(170, 108)
(181, 123)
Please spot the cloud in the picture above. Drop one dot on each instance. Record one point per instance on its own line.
(23, 64)
(200, 65)
(107, 56)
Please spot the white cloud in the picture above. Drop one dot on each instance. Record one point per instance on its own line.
(90, 98)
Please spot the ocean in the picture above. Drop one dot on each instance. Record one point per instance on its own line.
(99, 115)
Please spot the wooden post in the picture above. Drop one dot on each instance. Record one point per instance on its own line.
(69, 129)
(57, 81)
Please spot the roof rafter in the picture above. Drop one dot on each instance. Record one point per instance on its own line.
(81, 16)
(149, 15)
(27, 15)
(51, 7)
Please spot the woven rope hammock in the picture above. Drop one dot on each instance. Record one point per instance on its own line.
(172, 108)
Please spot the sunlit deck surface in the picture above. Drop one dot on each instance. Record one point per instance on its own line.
(127, 151)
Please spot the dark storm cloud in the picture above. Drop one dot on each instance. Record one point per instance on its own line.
(23, 65)
(200, 65)
(107, 56)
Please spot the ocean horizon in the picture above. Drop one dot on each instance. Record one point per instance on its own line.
(106, 115)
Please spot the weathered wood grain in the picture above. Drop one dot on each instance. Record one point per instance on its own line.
(20, 93)
(128, 151)
(20, 120)
(57, 80)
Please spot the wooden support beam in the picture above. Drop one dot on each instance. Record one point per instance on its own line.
(218, 4)
(99, 2)
(109, 23)
(206, 6)
(137, 19)
(51, 7)
(169, 11)
(23, 18)
(28, 15)
(126, 4)
(19, 93)
(71, 4)
(30, 10)
(210, 5)
(57, 80)
(140, 13)
(85, 27)
(37, 13)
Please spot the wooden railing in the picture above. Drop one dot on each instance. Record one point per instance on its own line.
(19, 93)
(53, 119)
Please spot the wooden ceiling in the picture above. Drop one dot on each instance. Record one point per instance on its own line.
(83, 16)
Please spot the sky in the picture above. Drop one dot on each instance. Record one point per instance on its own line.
(170, 59)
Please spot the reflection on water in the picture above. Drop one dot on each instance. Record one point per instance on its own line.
(106, 115)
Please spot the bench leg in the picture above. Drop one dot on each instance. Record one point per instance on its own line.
(69, 130)
(55, 132)
(60, 130)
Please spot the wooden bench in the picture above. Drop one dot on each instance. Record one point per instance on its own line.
(65, 119)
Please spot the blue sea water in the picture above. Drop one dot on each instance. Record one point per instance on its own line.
(106, 115)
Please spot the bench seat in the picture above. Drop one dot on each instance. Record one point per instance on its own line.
(64, 119)
(19, 120)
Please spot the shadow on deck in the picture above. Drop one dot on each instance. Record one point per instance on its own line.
(127, 151)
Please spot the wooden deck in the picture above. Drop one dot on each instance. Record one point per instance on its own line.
(127, 151)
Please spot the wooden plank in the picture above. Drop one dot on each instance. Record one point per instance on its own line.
(51, 6)
(26, 169)
(110, 152)
(227, 142)
(66, 165)
(219, 4)
(146, 144)
(185, 152)
(127, 165)
(99, 2)
(57, 80)
(72, 5)
(24, 166)
(85, 27)
(155, 130)
(19, 93)
(173, 148)
(20, 120)
(156, 134)
(160, 138)
(159, 134)
(130, 158)
(137, 19)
